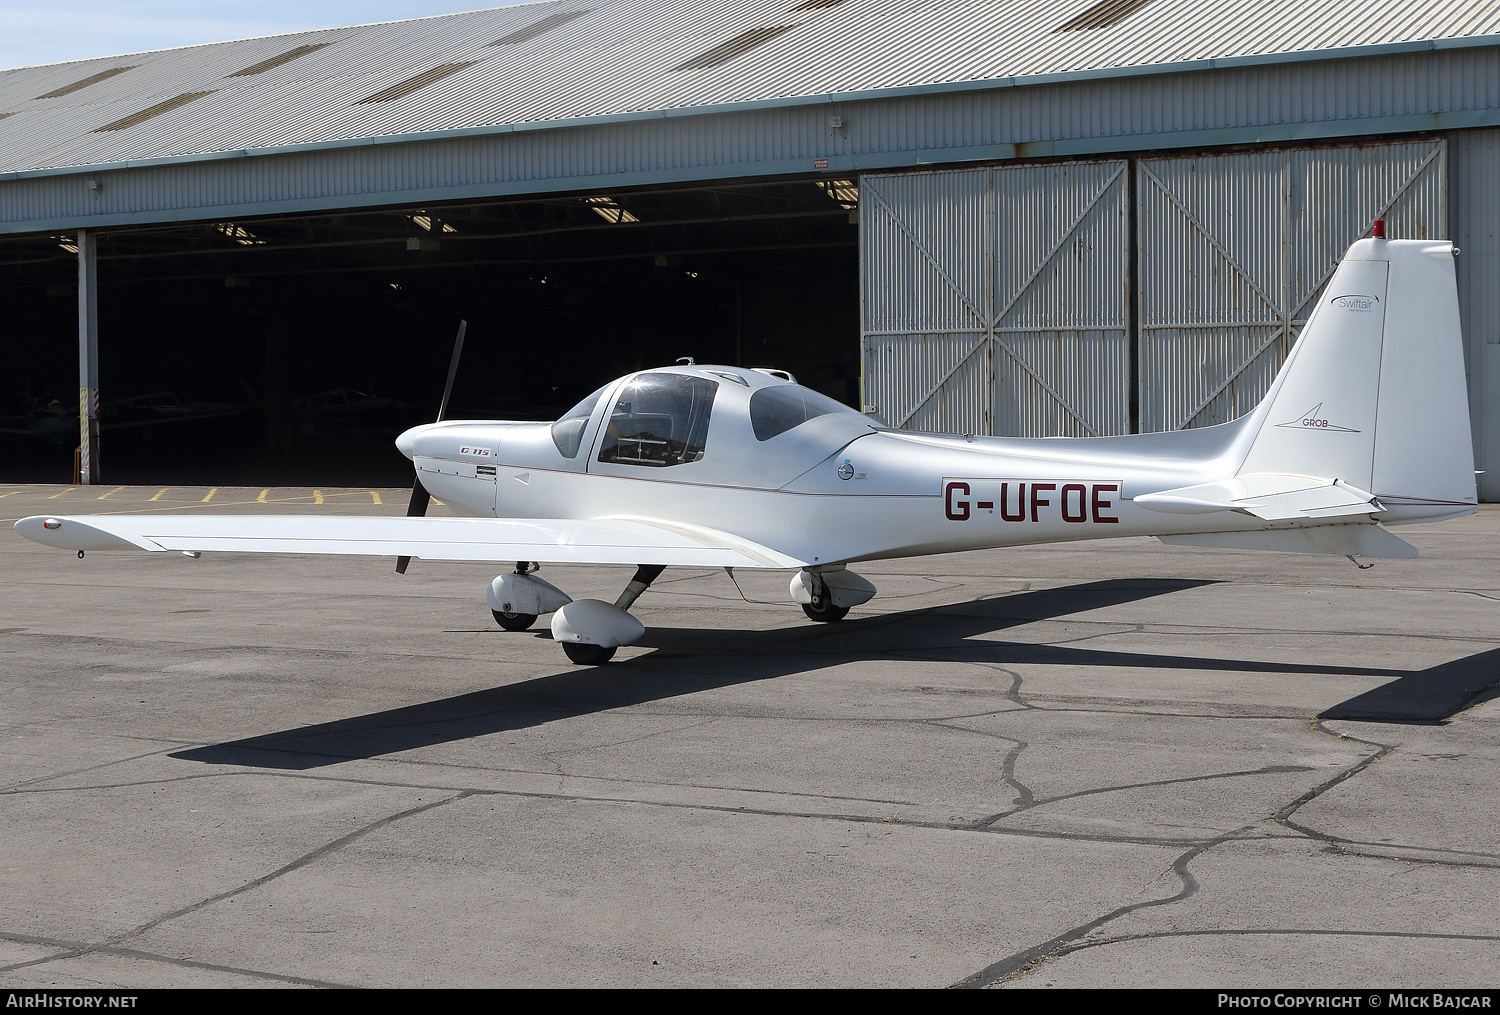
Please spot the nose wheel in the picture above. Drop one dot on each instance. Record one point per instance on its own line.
(514, 621)
(588, 655)
(590, 630)
(824, 611)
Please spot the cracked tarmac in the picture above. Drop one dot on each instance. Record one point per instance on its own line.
(1098, 764)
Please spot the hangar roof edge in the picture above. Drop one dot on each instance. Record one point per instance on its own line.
(782, 102)
(572, 63)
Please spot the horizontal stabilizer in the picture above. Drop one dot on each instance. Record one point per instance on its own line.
(546, 540)
(1358, 540)
(1269, 497)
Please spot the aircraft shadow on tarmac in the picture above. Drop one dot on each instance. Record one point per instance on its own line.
(677, 668)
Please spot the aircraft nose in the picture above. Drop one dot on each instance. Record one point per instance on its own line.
(407, 442)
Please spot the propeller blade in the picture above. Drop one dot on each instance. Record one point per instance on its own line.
(418, 507)
(420, 498)
(458, 350)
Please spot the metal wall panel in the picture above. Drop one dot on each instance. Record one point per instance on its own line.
(926, 298)
(1061, 295)
(1475, 167)
(995, 300)
(1234, 248)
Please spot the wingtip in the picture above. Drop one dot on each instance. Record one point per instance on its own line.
(66, 533)
(33, 528)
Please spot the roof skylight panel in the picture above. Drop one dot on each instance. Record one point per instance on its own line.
(92, 79)
(1102, 15)
(611, 210)
(405, 88)
(541, 27)
(737, 46)
(277, 61)
(176, 102)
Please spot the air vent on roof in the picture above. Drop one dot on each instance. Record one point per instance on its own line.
(539, 28)
(413, 84)
(813, 5)
(277, 61)
(726, 51)
(1102, 15)
(92, 79)
(156, 110)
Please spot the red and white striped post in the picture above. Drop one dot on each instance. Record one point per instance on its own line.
(88, 357)
(88, 416)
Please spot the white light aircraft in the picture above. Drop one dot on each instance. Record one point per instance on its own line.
(727, 467)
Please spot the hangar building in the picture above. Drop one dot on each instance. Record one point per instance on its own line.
(1054, 217)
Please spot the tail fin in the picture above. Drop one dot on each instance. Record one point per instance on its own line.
(1373, 394)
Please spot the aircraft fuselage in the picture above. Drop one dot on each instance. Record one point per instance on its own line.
(879, 494)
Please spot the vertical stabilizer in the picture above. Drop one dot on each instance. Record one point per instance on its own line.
(1319, 418)
(1373, 394)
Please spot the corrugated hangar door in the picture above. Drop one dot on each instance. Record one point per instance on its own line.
(1234, 248)
(995, 301)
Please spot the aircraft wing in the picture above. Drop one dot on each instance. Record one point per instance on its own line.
(546, 540)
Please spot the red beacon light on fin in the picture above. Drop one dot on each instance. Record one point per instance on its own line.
(1377, 229)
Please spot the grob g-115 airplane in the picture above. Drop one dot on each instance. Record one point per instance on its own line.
(717, 466)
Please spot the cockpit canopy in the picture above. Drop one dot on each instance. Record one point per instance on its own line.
(736, 427)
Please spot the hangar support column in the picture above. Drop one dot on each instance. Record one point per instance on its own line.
(88, 357)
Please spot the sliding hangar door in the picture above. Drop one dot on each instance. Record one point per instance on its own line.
(1119, 296)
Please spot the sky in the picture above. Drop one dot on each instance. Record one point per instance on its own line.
(35, 32)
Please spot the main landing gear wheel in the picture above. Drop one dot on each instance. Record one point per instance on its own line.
(824, 611)
(588, 655)
(514, 621)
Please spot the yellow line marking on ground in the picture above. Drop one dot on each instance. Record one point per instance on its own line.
(160, 492)
(209, 496)
(12, 493)
(193, 505)
(111, 493)
(317, 496)
(57, 495)
(438, 502)
(374, 497)
(262, 498)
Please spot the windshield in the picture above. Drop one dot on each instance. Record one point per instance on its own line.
(567, 432)
(659, 420)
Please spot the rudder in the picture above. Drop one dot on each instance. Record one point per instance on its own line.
(1424, 450)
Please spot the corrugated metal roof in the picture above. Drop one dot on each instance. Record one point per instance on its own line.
(576, 59)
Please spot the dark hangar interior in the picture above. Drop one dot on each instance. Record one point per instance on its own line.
(293, 349)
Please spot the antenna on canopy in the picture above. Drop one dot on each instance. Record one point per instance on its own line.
(688, 360)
